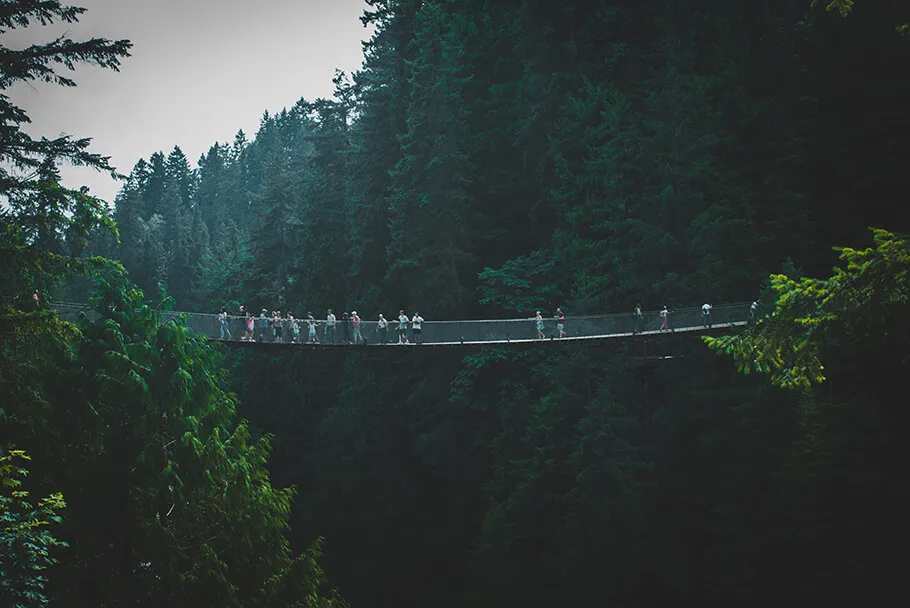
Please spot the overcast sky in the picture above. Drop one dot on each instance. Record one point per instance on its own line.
(200, 70)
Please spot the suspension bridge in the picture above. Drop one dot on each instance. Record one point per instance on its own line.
(586, 328)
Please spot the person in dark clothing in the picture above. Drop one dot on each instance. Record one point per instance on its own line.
(345, 328)
(561, 322)
(277, 323)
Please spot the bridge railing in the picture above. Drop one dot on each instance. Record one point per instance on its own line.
(456, 332)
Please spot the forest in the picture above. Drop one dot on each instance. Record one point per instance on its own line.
(488, 159)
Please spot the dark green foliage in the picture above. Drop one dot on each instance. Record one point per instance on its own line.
(523, 285)
(169, 498)
(496, 158)
(184, 512)
(430, 218)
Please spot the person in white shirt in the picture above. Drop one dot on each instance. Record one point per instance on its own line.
(706, 315)
(312, 338)
(402, 327)
(665, 319)
(752, 311)
(330, 328)
(415, 326)
(294, 328)
(538, 324)
(382, 328)
(639, 320)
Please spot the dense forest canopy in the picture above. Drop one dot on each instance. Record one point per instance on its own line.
(488, 159)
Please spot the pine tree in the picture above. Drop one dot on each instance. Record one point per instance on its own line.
(154, 184)
(381, 92)
(430, 212)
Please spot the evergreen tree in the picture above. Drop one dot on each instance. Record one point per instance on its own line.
(430, 213)
(381, 91)
(154, 184)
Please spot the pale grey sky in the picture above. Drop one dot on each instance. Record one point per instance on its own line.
(200, 70)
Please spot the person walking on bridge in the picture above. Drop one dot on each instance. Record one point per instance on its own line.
(639, 321)
(356, 323)
(223, 318)
(249, 326)
(263, 325)
(665, 320)
(330, 328)
(752, 312)
(538, 323)
(561, 322)
(706, 315)
(402, 327)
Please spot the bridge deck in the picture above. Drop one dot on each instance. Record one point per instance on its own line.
(549, 339)
(589, 328)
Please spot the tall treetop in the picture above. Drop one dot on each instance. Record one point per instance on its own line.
(24, 157)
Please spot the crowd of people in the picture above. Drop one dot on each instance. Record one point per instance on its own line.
(276, 326)
(350, 327)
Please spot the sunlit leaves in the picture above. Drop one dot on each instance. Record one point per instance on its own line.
(26, 542)
(845, 7)
(842, 7)
(812, 315)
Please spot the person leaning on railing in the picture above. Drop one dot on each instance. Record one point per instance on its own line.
(416, 329)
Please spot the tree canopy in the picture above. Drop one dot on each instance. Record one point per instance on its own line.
(491, 159)
(126, 415)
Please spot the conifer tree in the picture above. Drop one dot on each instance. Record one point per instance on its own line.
(430, 211)
(381, 94)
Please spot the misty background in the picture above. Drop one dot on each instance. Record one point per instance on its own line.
(200, 70)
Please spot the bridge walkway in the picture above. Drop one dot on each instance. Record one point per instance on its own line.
(617, 326)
